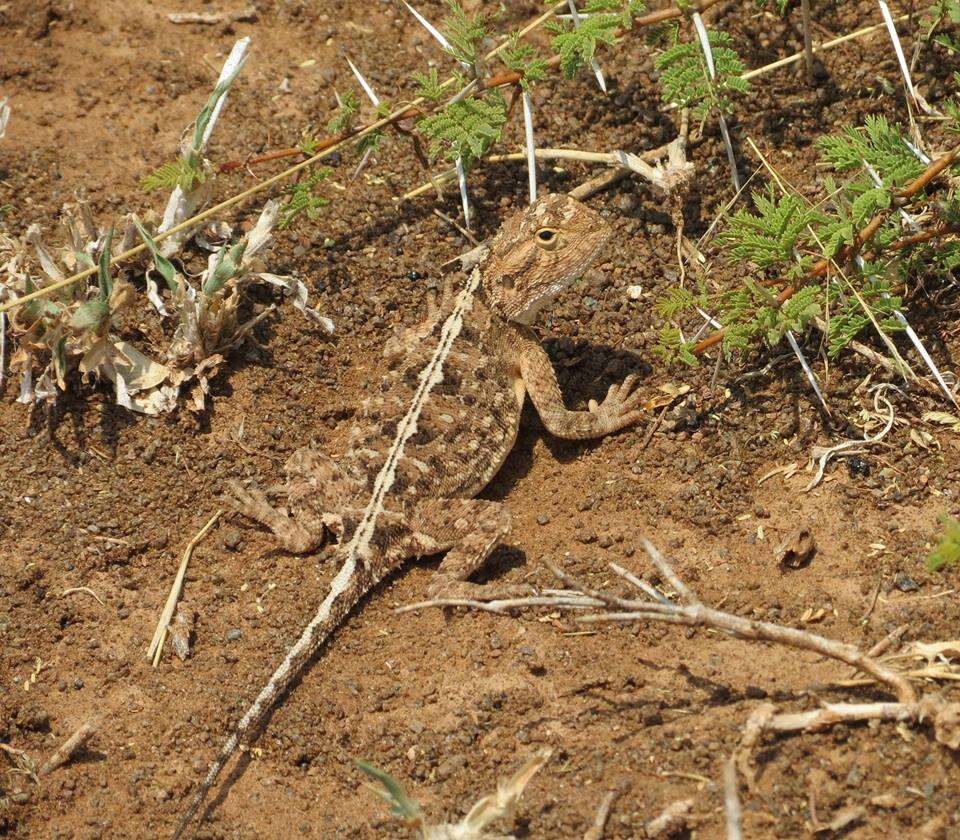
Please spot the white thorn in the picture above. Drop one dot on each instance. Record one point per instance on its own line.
(531, 149)
(464, 198)
(724, 131)
(791, 338)
(710, 319)
(365, 85)
(433, 31)
(917, 343)
(919, 154)
(901, 59)
(594, 64)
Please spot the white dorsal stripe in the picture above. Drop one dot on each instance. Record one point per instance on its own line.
(360, 542)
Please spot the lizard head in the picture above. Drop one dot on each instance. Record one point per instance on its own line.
(539, 252)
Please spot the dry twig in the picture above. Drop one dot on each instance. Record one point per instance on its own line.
(595, 832)
(73, 744)
(87, 590)
(155, 650)
(731, 801)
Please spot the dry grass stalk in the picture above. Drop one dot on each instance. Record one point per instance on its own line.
(595, 832)
(731, 801)
(87, 590)
(76, 742)
(155, 651)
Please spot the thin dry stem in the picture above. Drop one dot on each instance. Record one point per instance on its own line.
(807, 39)
(155, 651)
(731, 801)
(87, 590)
(595, 832)
(667, 571)
(73, 744)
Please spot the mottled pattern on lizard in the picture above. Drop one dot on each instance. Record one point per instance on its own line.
(435, 431)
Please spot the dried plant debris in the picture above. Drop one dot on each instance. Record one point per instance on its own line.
(796, 550)
(80, 330)
(488, 809)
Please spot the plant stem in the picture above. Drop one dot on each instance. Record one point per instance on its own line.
(848, 251)
(807, 39)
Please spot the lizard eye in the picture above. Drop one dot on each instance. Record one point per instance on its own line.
(547, 238)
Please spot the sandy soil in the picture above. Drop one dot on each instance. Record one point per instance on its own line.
(448, 704)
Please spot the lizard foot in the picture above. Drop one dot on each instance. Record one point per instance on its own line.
(292, 534)
(623, 405)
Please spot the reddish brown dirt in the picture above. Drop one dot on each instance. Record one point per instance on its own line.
(447, 704)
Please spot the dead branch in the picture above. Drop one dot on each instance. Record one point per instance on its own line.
(73, 744)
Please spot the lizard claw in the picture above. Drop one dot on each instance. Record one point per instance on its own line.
(245, 500)
(623, 404)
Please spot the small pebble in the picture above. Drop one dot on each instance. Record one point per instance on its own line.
(231, 539)
(234, 634)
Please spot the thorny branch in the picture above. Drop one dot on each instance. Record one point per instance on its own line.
(848, 252)
(931, 708)
(509, 78)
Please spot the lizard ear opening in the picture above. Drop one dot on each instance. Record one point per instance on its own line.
(547, 238)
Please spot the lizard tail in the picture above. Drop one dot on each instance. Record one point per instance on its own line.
(347, 589)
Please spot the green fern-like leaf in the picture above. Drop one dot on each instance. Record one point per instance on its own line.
(466, 129)
(625, 11)
(523, 59)
(848, 317)
(303, 199)
(177, 173)
(464, 33)
(576, 46)
(771, 236)
(877, 143)
(347, 109)
(428, 85)
(675, 302)
(672, 348)
(685, 78)
(798, 311)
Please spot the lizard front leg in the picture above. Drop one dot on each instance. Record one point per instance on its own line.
(622, 407)
(298, 535)
(400, 343)
(469, 530)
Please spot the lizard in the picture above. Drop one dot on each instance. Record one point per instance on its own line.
(430, 438)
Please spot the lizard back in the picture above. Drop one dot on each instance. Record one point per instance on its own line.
(465, 431)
